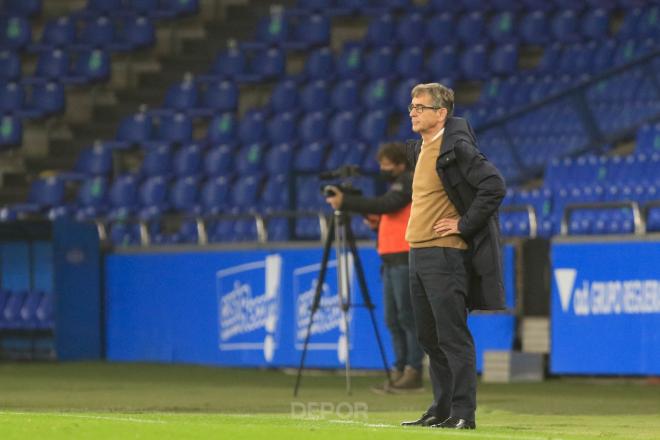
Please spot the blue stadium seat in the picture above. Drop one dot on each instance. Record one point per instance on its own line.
(28, 311)
(15, 33)
(269, 63)
(373, 126)
(313, 127)
(245, 193)
(377, 95)
(401, 95)
(99, 32)
(410, 62)
(381, 31)
(313, 30)
(11, 314)
(252, 127)
(215, 195)
(46, 196)
(123, 233)
(97, 7)
(10, 66)
(471, 28)
(284, 97)
(443, 62)
(12, 97)
(310, 157)
(92, 66)
(474, 63)
(45, 312)
(320, 64)
(123, 196)
(230, 63)
(182, 96)
(187, 160)
(222, 129)
(220, 96)
(504, 60)
(153, 197)
(379, 62)
(157, 161)
(595, 24)
(564, 26)
(411, 30)
(175, 128)
(95, 161)
(282, 128)
(279, 159)
(219, 160)
(59, 32)
(273, 29)
(343, 127)
(181, 8)
(53, 65)
(275, 194)
(135, 129)
(138, 32)
(345, 95)
(315, 96)
(534, 27)
(250, 158)
(440, 28)
(350, 62)
(183, 195)
(92, 198)
(501, 28)
(46, 99)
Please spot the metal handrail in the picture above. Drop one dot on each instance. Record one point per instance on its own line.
(638, 219)
(531, 216)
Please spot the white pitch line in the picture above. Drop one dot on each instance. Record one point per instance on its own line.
(435, 431)
(83, 416)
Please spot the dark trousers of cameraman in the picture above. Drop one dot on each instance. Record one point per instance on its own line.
(438, 288)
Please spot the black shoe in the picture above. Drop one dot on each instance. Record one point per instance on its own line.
(425, 420)
(456, 423)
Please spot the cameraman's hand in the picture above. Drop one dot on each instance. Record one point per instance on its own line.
(372, 220)
(336, 200)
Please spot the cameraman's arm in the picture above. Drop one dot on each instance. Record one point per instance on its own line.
(398, 196)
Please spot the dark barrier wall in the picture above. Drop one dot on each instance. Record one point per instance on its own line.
(78, 286)
(251, 308)
(606, 308)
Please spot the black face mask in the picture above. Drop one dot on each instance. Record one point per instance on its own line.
(387, 175)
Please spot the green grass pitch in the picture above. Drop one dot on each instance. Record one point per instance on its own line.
(129, 401)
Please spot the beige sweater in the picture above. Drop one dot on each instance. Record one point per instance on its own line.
(430, 203)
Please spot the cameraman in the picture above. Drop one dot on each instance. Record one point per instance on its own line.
(389, 214)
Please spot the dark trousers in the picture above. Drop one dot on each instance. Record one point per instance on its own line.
(399, 316)
(438, 288)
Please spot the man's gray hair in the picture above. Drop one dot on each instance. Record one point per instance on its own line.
(442, 96)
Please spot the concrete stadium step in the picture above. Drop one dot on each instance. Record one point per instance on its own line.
(12, 194)
(536, 335)
(512, 366)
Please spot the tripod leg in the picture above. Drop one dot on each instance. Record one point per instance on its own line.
(315, 302)
(344, 286)
(366, 298)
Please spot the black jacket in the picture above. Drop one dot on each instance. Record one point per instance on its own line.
(476, 188)
(398, 196)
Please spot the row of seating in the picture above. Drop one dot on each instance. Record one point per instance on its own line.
(26, 310)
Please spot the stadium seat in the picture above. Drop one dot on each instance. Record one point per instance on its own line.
(218, 160)
(222, 129)
(284, 97)
(345, 95)
(215, 195)
(310, 157)
(343, 127)
(279, 159)
(320, 64)
(187, 161)
(138, 32)
(443, 62)
(157, 161)
(220, 96)
(95, 161)
(91, 66)
(92, 198)
(12, 97)
(314, 96)
(15, 33)
(135, 129)
(275, 194)
(501, 28)
(379, 62)
(313, 127)
(373, 126)
(282, 128)
(411, 30)
(376, 95)
(10, 66)
(183, 196)
(175, 128)
(250, 158)
(252, 127)
(350, 62)
(245, 192)
(410, 62)
(471, 28)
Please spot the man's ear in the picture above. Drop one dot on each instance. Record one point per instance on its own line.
(443, 113)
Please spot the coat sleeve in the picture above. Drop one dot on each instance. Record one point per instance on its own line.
(489, 187)
(398, 196)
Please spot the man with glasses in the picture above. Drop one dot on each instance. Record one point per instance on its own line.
(455, 257)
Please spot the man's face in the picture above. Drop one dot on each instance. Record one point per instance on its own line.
(428, 120)
(394, 168)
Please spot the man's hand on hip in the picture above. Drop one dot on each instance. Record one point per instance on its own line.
(446, 226)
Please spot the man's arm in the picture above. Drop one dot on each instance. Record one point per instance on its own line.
(488, 182)
(398, 196)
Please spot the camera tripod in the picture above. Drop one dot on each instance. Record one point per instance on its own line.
(340, 230)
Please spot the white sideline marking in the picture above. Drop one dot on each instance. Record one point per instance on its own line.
(83, 416)
(435, 431)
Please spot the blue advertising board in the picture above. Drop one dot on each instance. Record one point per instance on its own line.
(252, 308)
(606, 308)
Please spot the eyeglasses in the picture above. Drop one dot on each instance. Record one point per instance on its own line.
(420, 108)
